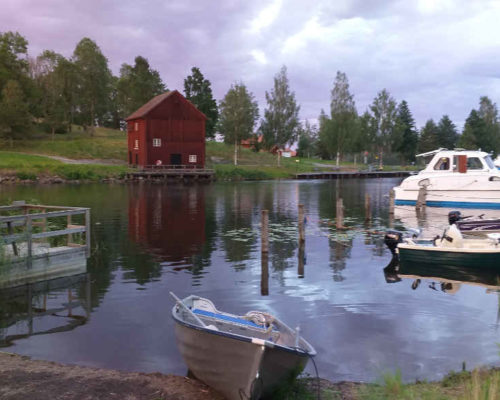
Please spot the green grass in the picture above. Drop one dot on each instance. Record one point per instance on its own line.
(26, 166)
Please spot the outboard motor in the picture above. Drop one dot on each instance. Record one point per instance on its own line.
(454, 216)
(391, 240)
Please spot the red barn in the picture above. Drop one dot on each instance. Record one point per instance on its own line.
(167, 130)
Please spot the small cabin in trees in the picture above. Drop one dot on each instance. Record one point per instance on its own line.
(167, 130)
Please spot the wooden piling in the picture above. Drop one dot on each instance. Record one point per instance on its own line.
(264, 274)
(264, 226)
(421, 199)
(302, 236)
(392, 197)
(368, 209)
(68, 226)
(339, 217)
(301, 261)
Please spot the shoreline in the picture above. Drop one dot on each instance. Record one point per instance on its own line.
(24, 378)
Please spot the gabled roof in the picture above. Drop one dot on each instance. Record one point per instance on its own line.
(145, 109)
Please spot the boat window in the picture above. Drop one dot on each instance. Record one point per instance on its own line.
(442, 164)
(489, 162)
(474, 163)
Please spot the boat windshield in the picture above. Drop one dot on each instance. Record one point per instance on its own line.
(489, 162)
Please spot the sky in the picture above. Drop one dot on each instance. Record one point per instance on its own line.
(438, 55)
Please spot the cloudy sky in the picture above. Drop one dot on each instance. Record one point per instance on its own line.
(438, 55)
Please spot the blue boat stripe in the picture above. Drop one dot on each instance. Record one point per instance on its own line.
(449, 204)
(227, 318)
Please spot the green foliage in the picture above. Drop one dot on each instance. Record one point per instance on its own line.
(383, 122)
(281, 117)
(238, 113)
(198, 91)
(475, 134)
(13, 62)
(307, 140)
(447, 133)
(428, 137)
(406, 135)
(136, 86)
(15, 118)
(93, 82)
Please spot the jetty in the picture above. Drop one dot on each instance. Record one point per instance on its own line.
(40, 242)
(180, 173)
(353, 174)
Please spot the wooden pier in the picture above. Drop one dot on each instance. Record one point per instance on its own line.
(40, 242)
(353, 175)
(178, 173)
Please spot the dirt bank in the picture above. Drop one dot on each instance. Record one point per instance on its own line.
(22, 378)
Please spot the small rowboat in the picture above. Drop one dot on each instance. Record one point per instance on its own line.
(242, 357)
(452, 249)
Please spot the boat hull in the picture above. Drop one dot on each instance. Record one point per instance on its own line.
(452, 257)
(452, 199)
(237, 367)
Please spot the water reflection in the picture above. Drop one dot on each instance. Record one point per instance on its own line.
(42, 308)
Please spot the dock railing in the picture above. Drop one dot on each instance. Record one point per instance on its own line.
(31, 230)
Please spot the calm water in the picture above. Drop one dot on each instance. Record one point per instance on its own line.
(149, 240)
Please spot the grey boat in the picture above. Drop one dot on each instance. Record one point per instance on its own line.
(242, 357)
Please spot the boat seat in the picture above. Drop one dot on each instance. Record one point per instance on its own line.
(228, 318)
(452, 237)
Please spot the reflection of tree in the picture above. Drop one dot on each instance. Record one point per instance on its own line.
(339, 251)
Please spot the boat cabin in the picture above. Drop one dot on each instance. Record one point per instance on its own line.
(458, 160)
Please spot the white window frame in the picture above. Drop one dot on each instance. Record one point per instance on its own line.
(136, 126)
(193, 158)
(156, 142)
(136, 144)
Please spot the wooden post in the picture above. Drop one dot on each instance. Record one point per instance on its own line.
(264, 226)
(302, 236)
(339, 218)
(29, 240)
(264, 275)
(301, 259)
(368, 209)
(68, 226)
(421, 199)
(87, 232)
(11, 231)
(392, 197)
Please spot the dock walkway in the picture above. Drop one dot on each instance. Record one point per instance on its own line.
(172, 173)
(353, 174)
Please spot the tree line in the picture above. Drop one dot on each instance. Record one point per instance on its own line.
(55, 93)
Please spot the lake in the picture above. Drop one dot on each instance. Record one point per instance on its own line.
(150, 239)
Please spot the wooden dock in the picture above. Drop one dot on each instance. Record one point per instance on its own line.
(180, 173)
(39, 242)
(352, 175)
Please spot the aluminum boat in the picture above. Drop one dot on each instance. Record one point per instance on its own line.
(242, 357)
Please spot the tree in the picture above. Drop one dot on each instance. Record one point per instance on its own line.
(50, 82)
(93, 81)
(383, 121)
(406, 137)
(474, 135)
(13, 61)
(199, 92)
(428, 137)
(343, 115)
(136, 86)
(15, 118)
(489, 114)
(307, 140)
(281, 117)
(238, 114)
(447, 133)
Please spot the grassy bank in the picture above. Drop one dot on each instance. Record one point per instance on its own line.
(480, 384)
(110, 144)
(32, 167)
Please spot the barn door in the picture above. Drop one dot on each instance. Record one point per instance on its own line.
(175, 159)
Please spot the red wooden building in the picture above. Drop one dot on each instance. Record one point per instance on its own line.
(167, 130)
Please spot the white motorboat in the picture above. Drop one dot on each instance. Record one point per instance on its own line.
(242, 357)
(454, 178)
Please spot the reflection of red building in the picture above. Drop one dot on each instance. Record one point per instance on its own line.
(167, 220)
